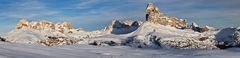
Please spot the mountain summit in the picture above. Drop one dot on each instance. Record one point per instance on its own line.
(153, 14)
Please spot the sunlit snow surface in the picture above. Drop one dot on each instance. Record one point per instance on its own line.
(172, 44)
(15, 50)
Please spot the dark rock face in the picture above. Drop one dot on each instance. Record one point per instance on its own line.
(199, 29)
(102, 43)
(136, 23)
(118, 27)
(2, 39)
(125, 24)
(203, 38)
(195, 27)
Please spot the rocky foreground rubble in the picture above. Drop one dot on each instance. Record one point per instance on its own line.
(158, 31)
(53, 41)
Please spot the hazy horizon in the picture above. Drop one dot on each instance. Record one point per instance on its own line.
(96, 14)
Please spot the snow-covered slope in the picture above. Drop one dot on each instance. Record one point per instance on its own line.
(24, 36)
(160, 36)
(156, 35)
(49, 37)
(16, 50)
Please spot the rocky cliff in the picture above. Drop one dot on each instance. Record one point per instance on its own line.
(2, 39)
(122, 27)
(45, 26)
(154, 15)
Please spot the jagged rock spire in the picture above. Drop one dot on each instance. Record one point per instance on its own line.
(154, 15)
(151, 10)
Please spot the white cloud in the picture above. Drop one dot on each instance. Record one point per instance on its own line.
(22, 14)
(28, 5)
(28, 9)
(85, 3)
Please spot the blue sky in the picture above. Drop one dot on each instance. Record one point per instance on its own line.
(96, 14)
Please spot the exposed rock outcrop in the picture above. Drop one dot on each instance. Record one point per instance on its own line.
(154, 15)
(44, 26)
(127, 22)
(189, 43)
(53, 41)
(22, 23)
(118, 27)
(2, 39)
(195, 27)
(33, 32)
(105, 43)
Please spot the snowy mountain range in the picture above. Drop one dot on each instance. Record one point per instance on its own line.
(159, 31)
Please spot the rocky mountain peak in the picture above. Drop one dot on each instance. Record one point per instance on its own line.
(151, 10)
(154, 15)
(22, 23)
(122, 27)
(118, 24)
(44, 26)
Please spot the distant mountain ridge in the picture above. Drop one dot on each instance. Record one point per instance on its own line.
(158, 31)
